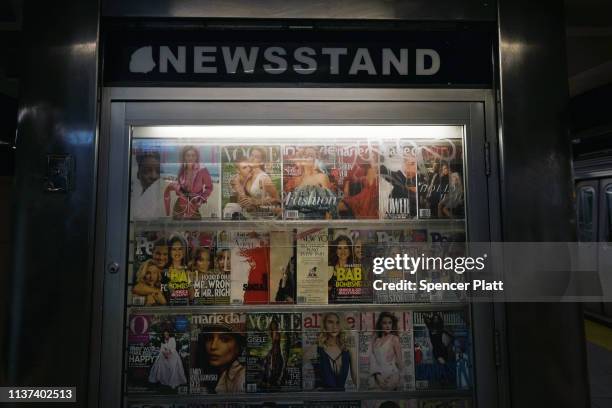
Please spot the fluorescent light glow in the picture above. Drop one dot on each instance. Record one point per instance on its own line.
(298, 134)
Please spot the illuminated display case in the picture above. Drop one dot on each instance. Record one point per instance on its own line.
(254, 250)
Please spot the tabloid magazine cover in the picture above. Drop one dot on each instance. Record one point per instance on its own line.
(251, 182)
(208, 271)
(274, 347)
(389, 243)
(357, 180)
(146, 202)
(312, 275)
(218, 353)
(442, 350)
(283, 266)
(386, 351)
(398, 180)
(158, 354)
(440, 178)
(190, 177)
(175, 281)
(331, 351)
(310, 184)
(412, 403)
(446, 242)
(250, 263)
(445, 403)
(150, 266)
(350, 255)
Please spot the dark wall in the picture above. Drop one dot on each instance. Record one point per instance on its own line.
(8, 125)
(50, 279)
(545, 342)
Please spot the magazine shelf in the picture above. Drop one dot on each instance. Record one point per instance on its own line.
(298, 397)
(251, 265)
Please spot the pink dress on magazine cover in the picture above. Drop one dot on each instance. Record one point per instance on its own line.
(190, 194)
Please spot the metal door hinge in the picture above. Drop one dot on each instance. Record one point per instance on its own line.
(497, 345)
(487, 152)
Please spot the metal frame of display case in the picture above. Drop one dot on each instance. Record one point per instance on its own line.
(123, 108)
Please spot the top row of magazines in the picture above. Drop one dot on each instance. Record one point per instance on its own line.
(399, 179)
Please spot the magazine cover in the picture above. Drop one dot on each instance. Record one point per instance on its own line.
(389, 243)
(350, 254)
(207, 272)
(442, 350)
(146, 202)
(310, 183)
(330, 351)
(250, 263)
(218, 353)
(447, 242)
(251, 182)
(175, 281)
(386, 351)
(398, 180)
(158, 354)
(440, 178)
(357, 180)
(283, 266)
(411, 403)
(274, 347)
(190, 174)
(312, 275)
(445, 403)
(150, 265)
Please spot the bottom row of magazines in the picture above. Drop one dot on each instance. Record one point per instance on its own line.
(412, 403)
(262, 352)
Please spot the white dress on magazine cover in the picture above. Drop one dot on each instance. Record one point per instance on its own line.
(147, 204)
(168, 368)
(383, 362)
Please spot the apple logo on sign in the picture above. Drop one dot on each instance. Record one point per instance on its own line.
(141, 61)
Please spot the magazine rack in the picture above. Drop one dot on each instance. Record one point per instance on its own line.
(172, 154)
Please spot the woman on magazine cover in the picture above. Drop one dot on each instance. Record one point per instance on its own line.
(274, 362)
(335, 355)
(199, 268)
(312, 181)
(177, 270)
(261, 196)
(193, 186)
(286, 284)
(364, 203)
(148, 284)
(341, 257)
(386, 362)
(451, 205)
(220, 347)
(168, 367)
(441, 344)
(234, 210)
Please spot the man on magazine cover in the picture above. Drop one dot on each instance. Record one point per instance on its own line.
(146, 197)
(403, 181)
